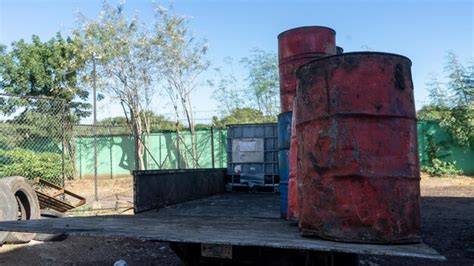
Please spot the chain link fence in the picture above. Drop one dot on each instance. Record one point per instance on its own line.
(115, 150)
(108, 185)
(32, 137)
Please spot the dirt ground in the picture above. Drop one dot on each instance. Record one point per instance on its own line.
(447, 226)
(115, 195)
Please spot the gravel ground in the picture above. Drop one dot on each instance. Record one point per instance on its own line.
(88, 251)
(447, 217)
(447, 222)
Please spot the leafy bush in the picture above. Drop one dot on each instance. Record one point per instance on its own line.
(437, 151)
(441, 168)
(30, 164)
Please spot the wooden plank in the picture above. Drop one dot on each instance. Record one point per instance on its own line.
(51, 201)
(240, 231)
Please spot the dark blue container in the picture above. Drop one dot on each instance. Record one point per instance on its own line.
(283, 172)
(284, 130)
(258, 166)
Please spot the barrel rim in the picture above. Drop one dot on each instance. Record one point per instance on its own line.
(304, 27)
(298, 69)
(252, 124)
(284, 113)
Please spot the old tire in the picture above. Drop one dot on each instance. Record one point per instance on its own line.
(28, 206)
(50, 214)
(8, 208)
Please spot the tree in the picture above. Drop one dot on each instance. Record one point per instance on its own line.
(180, 61)
(242, 116)
(263, 88)
(228, 91)
(259, 88)
(46, 69)
(460, 81)
(452, 103)
(452, 107)
(157, 122)
(122, 48)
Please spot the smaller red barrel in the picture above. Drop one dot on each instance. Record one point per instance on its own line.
(358, 166)
(296, 47)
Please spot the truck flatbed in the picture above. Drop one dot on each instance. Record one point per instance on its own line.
(236, 219)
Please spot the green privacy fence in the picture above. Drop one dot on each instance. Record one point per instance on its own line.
(431, 132)
(116, 152)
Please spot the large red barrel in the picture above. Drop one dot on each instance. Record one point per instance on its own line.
(358, 166)
(296, 47)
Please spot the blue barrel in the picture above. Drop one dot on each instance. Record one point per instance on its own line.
(284, 130)
(284, 138)
(283, 170)
(284, 200)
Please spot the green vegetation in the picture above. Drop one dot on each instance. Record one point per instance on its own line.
(243, 116)
(48, 69)
(32, 164)
(452, 106)
(435, 152)
(256, 94)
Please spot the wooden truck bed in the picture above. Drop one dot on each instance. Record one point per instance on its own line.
(237, 219)
(187, 207)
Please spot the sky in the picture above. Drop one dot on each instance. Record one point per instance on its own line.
(424, 31)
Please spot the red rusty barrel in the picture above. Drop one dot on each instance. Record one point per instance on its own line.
(296, 47)
(358, 166)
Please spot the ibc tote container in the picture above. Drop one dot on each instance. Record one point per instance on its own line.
(252, 155)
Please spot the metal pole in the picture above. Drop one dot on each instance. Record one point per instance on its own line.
(159, 148)
(212, 146)
(63, 161)
(177, 150)
(94, 88)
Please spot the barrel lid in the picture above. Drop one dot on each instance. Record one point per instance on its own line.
(304, 27)
(348, 55)
(306, 40)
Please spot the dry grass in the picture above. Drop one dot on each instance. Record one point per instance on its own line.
(115, 195)
(448, 186)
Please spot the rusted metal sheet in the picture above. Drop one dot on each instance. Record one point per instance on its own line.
(358, 168)
(297, 47)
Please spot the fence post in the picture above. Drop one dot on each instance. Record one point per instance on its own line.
(212, 146)
(159, 148)
(62, 146)
(178, 155)
(94, 101)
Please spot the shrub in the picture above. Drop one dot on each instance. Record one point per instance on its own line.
(435, 166)
(30, 164)
(441, 168)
